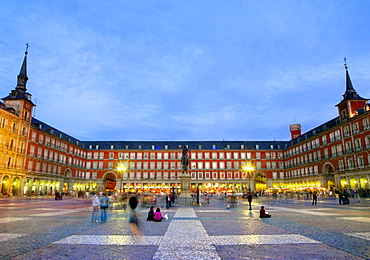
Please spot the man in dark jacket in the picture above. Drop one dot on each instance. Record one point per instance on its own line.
(250, 197)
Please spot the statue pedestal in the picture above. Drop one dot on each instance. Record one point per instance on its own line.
(185, 196)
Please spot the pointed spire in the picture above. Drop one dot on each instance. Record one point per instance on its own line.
(22, 77)
(350, 91)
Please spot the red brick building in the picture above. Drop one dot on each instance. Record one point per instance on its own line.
(333, 155)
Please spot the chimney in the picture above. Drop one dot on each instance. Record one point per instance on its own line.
(295, 130)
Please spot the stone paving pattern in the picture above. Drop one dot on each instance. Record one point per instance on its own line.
(42, 228)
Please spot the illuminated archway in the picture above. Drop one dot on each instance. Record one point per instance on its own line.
(260, 181)
(109, 181)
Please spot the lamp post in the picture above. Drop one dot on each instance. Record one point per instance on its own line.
(248, 168)
(122, 168)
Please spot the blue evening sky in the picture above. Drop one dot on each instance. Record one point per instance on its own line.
(185, 70)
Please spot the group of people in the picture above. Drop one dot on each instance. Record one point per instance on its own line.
(102, 204)
(155, 216)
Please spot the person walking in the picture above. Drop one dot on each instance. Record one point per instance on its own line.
(314, 198)
(250, 198)
(104, 203)
(133, 219)
(95, 204)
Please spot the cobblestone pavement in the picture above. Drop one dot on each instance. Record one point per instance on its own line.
(42, 228)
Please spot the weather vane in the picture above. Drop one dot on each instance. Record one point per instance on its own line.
(345, 63)
(27, 46)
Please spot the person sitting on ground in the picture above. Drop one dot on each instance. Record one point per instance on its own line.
(150, 214)
(263, 213)
(158, 215)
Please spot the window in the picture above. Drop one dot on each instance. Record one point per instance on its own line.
(32, 150)
(33, 136)
(346, 131)
(324, 140)
(350, 163)
(366, 124)
(348, 147)
(207, 165)
(258, 165)
(358, 144)
(356, 129)
(41, 138)
(214, 165)
(360, 162)
(341, 165)
(367, 141)
(112, 146)
(337, 134)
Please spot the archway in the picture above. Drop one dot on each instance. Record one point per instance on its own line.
(67, 182)
(328, 172)
(260, 181)
(5, 185)
(16, 186)
(328, 168)
(110, 182)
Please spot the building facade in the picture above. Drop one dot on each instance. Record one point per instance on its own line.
(39, 159)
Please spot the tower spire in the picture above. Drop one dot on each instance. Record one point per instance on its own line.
(352, 103)
(22, 77)
(350, 91)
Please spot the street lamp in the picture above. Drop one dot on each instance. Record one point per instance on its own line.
(249, 168)
(122, 168)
